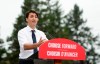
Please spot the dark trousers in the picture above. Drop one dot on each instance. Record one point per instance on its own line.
(26, 61)
(29, 60)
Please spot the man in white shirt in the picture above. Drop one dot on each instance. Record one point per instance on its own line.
(26, 39)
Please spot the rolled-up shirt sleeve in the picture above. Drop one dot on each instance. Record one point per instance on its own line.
(22, 39)
(43, 35)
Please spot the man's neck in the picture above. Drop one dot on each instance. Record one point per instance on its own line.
(32, 27)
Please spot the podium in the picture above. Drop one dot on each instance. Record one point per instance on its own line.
(61, 49)
(57, 62)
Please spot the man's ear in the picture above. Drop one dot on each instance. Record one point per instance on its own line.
(26, 20)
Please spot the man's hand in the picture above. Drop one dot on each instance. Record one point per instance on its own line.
(41, 41)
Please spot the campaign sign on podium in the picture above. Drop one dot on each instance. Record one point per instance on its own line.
(63, 49)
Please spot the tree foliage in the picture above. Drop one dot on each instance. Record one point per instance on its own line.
(81, 33)
(2, 51)
(55, 25)
(49, 15)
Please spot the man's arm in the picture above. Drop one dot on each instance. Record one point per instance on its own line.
(35, 45)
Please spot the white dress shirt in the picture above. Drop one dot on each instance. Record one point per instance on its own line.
(25, 36)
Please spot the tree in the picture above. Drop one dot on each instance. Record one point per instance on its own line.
(2, 52)
(53, 24)
(80, 33)
(49, 15)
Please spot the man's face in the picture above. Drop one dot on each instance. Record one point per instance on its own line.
(32, 20)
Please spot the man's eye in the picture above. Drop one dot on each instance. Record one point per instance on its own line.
(31, 16)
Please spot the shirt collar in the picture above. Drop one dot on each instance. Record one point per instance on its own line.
(30, 29)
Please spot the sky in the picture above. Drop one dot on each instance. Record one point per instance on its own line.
(91, 12)
(10, 9)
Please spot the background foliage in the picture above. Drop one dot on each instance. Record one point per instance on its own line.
(55, 25)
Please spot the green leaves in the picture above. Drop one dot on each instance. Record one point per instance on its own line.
(55, 25)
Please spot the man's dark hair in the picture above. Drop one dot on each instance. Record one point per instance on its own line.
(31, 11)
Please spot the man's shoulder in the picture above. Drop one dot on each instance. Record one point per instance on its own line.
(40, 31)
(22, 30)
